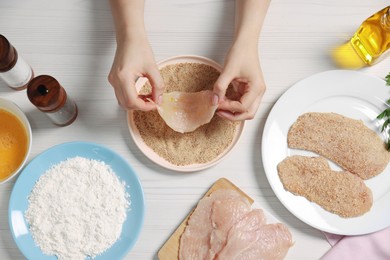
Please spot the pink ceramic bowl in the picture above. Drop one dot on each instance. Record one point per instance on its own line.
(153, 156)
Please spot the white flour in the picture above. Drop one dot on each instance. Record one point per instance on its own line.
(77, 208)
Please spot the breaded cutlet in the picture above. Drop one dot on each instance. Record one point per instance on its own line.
(339, 192)
(345, 141)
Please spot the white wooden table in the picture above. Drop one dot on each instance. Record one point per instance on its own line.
(74, 42)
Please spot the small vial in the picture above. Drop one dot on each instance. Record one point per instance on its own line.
(14, 70)
(46, 93)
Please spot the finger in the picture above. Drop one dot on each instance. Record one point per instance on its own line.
(146, 97)
(238, 116)
(156, 82)
(251, 92)
(253, 109)
(119, 96)
(222, 84)
(232, 106)
(117, 89)
(128, 98)
(136, 101)
(140, 104)
(226, 114)
(235, 116)
(232, 116)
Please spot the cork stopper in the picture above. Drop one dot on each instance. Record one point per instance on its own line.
(8, 55)
(46, 93)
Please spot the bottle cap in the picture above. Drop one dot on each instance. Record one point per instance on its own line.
(8, 55)
(46, 93)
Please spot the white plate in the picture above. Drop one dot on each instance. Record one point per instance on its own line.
(349, 93)
(152, 155)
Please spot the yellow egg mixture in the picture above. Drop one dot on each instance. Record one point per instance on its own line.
(13, 143)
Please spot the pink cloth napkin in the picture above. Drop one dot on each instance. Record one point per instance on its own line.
(375, 246)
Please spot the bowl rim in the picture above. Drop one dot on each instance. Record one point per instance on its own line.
(14, 109)
(153, 156)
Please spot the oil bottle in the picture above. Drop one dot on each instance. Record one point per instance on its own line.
(368, 45)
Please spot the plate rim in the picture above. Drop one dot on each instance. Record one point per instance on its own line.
(297, 86)
(141, 195)
(149, 153)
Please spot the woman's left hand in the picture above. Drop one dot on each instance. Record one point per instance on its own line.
(242, 69)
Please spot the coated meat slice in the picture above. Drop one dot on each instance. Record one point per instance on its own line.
(348, 142)
(339, 192)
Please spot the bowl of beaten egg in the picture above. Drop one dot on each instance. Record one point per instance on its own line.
(15, 139)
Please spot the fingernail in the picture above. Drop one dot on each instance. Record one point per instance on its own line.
(215, 100)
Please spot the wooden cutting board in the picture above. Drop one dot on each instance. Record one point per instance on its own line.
(170, 250)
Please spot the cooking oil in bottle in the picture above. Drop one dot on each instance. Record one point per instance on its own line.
(368, 45)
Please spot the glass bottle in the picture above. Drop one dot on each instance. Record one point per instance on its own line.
(14, 70)
(46, 93)
(369, 44)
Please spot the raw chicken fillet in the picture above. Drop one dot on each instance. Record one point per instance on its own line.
(186, 111)
(224, 226)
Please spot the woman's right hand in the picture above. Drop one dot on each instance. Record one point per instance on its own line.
(134, 59)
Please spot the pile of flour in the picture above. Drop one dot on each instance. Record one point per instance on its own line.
(77, 208)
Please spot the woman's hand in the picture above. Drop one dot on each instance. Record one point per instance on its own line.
(134, 59)
(242, 66)
(242, 69)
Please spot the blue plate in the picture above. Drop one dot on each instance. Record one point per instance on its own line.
(40, 164)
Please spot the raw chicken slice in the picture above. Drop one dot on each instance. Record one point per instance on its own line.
(273, 242)
(223, 226)
(186, 111)
(195, 240)
(224, 215)
(242, 234)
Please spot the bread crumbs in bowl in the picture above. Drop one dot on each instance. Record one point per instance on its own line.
(191, 151)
